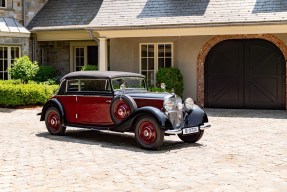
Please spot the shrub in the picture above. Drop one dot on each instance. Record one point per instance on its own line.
(11, 81)
(12, 95)
(172, 78)
(24, 69)
(45, 73)
(158, 89)
(89, 68)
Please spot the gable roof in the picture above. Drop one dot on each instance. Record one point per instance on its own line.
(169, 13)
(66, 13)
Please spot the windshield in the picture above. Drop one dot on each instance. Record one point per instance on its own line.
(129, 83)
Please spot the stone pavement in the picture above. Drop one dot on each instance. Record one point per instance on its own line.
(246, 150)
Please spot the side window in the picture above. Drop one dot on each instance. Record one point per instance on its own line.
(72, 85)
(95, 85)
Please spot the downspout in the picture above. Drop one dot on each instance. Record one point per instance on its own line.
(33, 47)
(24, 12)
(93, 37)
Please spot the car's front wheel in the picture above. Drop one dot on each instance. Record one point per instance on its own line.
(192, 138)
(148, 133)
(53, 122)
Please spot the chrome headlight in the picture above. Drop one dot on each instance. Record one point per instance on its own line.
(168, 105)
(189, 103)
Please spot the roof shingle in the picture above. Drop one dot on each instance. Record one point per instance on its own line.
(148, 13)
(66, 12)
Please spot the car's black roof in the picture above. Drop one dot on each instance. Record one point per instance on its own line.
(99, 74)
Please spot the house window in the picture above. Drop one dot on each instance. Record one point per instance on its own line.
(154, 56)
(7, 57)
(85, 55)
(3, 3)
(79, 58)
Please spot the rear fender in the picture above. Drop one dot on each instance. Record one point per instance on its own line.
(129, 123)
(53, 103)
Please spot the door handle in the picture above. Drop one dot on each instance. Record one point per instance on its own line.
(108, 101)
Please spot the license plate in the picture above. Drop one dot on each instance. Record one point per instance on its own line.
(190, 130)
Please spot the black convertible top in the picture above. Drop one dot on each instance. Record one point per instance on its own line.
(100, 75)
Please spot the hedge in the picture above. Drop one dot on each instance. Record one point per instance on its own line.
(12, 95)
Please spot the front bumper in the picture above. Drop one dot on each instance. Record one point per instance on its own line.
(179, 131)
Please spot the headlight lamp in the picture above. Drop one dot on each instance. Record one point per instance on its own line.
(168, 105)
(189, 103)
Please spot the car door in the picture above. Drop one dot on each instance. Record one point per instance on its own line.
(94, 102)
(69, 100)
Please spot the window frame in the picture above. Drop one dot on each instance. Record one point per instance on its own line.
(9, 58)
(80, 44)
(5, 7)
(80, 90)
(156, 57)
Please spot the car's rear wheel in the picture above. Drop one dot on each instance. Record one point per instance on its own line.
(53, 122)
(148, 133)
(192, 138)
(121, 107)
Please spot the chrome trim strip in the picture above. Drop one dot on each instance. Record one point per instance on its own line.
(173, 131)
(179, 131)
(159, 99)
(203, 127)
(85, 96)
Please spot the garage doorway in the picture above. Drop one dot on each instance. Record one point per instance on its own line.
(245, 74)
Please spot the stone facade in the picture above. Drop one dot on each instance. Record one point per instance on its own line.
(15, 9)
(22, 42)
(54, 53)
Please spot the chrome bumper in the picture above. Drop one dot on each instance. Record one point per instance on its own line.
(179, 131)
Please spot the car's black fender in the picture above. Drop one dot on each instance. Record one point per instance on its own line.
(158, 115)
(53, 103)
(195, 117)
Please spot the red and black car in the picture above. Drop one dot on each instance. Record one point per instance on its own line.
(121, 102)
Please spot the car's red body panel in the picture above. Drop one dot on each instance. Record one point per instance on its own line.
(141, 102)
(69, 103)
(94, 110)
(87, 109)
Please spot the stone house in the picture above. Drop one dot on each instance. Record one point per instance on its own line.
(232, 54)
(14, 37)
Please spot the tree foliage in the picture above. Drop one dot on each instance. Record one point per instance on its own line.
(24, 69)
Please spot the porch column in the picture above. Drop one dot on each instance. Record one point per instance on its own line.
(103, 54)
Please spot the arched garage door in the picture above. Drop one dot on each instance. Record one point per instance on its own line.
(245, 74)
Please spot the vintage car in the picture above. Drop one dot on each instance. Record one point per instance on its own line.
(121, 102)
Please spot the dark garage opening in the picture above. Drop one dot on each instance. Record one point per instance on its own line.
(246, 74)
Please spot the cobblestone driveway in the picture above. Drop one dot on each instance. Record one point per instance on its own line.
(246, 150)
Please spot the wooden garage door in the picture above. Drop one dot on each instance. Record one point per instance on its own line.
(245, 74)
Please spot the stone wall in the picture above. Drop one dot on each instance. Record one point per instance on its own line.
(54, 53)
(17, 41)
(15, 9)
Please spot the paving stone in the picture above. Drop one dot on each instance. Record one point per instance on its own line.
(245, 150)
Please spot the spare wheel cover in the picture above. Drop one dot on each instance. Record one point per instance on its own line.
(121, 107)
